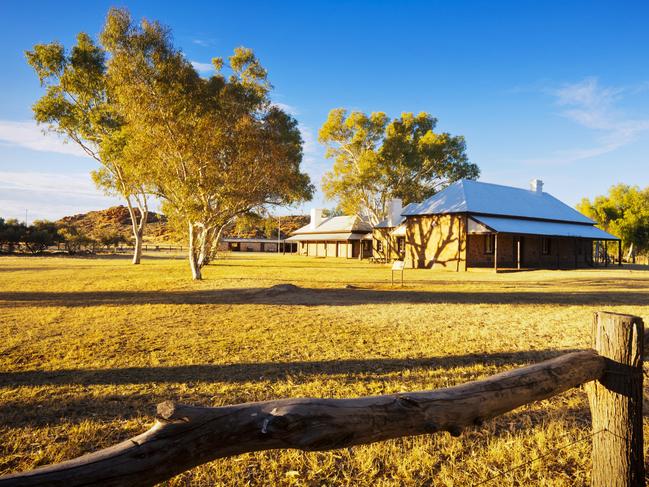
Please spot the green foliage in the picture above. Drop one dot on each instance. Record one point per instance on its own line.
(111, 238)
(376, 159)
(248, 223)
(211, 148)
(12, 233)
(41, 235)
(624, 212)
(78, 104)
(75, 239)
(35, 237)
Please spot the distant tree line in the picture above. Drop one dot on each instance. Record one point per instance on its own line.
(624, 212)
(41, 235)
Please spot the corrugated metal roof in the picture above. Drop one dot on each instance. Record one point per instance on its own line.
(250, 240)
(336, 224)
(321, 237)
(467, 196)
(385, 223)
(536, 227)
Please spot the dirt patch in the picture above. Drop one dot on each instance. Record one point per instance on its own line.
(279, 289)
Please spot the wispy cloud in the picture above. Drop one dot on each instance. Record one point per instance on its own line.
(595, 107)
(202, 42)
(203, 67)
(49, 195)
(310, 145)
(29, 135)
(290, 109)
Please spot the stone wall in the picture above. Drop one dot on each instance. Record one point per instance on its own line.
(436, 242)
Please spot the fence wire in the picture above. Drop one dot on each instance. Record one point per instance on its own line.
(551, 452)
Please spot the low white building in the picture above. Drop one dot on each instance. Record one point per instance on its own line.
(339, 236)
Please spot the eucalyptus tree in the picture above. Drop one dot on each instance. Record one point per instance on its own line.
(78, 105)
(624, 212)
(215, 147)
(377, 159)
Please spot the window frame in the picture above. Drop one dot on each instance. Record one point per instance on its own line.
(490, 243)
(401, 246)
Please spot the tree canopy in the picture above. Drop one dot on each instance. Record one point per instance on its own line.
(624, 212)
(377, 159)
(211, 148)
(78, 104)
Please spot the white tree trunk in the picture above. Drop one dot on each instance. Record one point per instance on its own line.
(138, 228)
(137, 252)
(193, 253)
(630, 257)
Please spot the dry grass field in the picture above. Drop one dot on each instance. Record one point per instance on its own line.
(89, 346)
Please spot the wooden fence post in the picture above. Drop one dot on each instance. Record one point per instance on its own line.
(616, 402)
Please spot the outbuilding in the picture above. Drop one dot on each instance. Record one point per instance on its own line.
(234, 244)
(339, 236)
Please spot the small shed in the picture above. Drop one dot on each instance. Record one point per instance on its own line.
(243, 244)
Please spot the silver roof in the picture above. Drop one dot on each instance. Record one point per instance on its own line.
(323, 237)
(249, 240)
(467, 196)
(550, 229)
(336, 224)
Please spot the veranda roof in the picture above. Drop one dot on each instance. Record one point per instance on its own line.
(322, 237)
(550, 229)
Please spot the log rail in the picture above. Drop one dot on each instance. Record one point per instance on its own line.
(185, 436)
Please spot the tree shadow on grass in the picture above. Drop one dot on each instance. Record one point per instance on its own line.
(287, 295)
(78, 403)
(64, 405)
(268, 371)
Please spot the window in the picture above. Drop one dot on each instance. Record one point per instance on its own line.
(545, 246)
(489, 243)
(401, 245)
(379, 246)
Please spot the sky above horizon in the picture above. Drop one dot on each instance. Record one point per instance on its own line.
(539, 90)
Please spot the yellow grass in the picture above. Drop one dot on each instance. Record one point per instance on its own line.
(89, 346)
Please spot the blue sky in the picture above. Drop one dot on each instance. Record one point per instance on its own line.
(556, 90)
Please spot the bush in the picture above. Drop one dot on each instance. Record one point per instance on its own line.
(12, 232)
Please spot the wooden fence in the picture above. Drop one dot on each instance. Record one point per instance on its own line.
(184, 436)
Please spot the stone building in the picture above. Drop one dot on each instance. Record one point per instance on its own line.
(475, 224)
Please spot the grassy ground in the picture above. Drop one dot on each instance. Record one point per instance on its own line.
(89, 346)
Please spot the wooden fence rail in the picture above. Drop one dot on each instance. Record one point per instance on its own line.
(184, 436)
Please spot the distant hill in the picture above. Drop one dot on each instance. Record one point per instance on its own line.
(116, 220)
